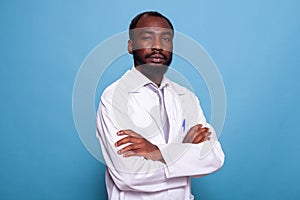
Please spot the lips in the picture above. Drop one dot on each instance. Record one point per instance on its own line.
(157, 58)
(157, 55)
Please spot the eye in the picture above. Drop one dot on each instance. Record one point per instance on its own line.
(167, 39)
(146, 38)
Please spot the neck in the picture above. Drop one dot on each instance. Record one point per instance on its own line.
(155, 79)
(154, 73)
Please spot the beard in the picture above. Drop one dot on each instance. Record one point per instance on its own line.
(152, 69)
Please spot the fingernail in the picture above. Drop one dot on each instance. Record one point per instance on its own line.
(119, 132)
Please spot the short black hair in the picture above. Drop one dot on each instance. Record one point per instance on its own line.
(137, 18)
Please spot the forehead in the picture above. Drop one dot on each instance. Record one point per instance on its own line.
(152, 25)
(153, 22)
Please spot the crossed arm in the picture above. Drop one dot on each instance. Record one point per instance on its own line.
(135, 145)
(128, 155)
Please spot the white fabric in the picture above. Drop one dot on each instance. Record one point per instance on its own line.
(128, 104)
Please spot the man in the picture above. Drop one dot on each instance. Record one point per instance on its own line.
(152, 132)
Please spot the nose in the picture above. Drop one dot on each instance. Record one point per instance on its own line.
(156, 45)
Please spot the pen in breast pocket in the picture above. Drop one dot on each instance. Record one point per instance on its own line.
(183, 125)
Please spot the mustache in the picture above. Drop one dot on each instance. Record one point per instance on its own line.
(157, 53)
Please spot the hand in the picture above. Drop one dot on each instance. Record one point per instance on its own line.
(138, 146)
(197, 134)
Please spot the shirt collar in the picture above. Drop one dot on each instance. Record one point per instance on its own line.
(141, 80)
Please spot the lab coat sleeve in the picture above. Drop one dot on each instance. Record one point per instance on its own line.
(185, 159)
(192, 159)
(132, 173)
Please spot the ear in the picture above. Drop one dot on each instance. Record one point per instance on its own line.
(130, 46)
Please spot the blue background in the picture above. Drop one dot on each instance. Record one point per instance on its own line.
(255, 45)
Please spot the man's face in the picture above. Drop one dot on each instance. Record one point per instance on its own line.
(152, 45)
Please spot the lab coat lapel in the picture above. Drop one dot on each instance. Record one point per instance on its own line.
(145, 117)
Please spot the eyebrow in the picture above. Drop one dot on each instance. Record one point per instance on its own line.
(152, 32)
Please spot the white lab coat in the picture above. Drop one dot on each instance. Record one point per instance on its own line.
(127, 104)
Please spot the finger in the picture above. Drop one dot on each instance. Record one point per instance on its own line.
(193, 130)
(197, 141)
(199, 138)
(128, 132)
(201, 130)
(189, 137)
(206, 134)
(133, 153)
(129, 154)
(126, 140)
(130, 147)
(200, 126)
(200, 134)
(206, 139)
